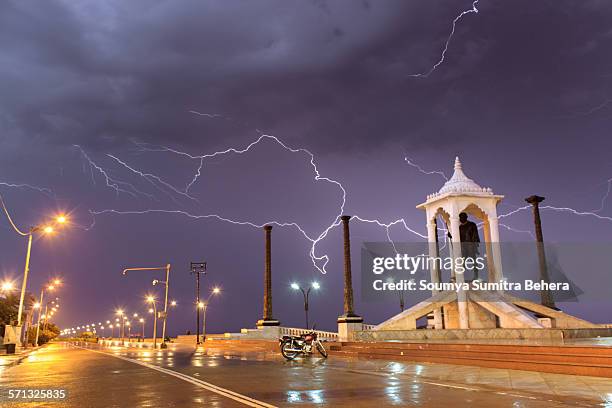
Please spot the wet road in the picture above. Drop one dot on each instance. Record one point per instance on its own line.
(95, 376)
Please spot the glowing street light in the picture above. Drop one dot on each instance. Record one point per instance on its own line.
(204, 307)
(120, 313)
(7, 286)
(314, 285)
(142, 321)
(50, 286)
(166, 283)
(46, 229)
(150, 299)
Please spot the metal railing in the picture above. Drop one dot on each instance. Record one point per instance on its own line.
(323, 335)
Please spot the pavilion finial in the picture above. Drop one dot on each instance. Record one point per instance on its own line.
(457, 163)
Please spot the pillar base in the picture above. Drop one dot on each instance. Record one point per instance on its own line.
(350, 318)
(268, 322)
(347, 326)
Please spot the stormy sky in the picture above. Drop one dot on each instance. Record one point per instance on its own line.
(108, 105)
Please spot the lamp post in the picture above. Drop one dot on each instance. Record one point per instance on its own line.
(142, 321)
(121, 319)
(155, 282)
(197, 269)
(44, 229)
(112, 331)
(204, 307)
(151, 299)
(315, 286)
(50, 286)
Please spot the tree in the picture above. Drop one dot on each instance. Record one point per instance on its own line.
(9, 307)
(50, 332)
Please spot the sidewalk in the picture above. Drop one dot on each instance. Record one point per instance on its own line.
(513, 381)
(536, 385)
(8, 360)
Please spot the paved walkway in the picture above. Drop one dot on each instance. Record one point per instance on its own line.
(97, 376)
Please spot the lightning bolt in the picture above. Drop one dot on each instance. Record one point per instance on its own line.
(318, 261)
(152, 178)
(447, 42)
(605, 197)
(117, 185)
(594, 109)
(43, 190)
(559, 209)
(420, 169)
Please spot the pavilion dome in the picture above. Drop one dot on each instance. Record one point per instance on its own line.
(460, 183)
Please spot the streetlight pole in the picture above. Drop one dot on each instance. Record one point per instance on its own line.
(197, 269)
(142, 320)
(167, 283)
(204, 306)
(151, 300)
(26, 270)
(306, 293)
(61, 219)
(40, 303)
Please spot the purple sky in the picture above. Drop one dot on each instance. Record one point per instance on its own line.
(524, 96)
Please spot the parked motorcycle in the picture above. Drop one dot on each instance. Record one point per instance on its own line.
(291, 346)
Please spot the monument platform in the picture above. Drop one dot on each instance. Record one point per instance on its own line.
(493, 336)
(588, 360)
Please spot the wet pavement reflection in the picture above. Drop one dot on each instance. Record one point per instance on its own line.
(97, 380)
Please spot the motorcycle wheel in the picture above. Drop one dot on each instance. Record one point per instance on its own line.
(321, 349)
(285, 345)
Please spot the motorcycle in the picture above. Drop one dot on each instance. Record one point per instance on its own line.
(291, 346)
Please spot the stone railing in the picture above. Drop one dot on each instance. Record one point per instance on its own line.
(323, 335)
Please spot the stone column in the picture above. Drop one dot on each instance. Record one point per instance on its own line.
(432, 238)
(496, 249)
(489, 251)
(459, 277)
(267, 319)
(349, 321)
(545, 295)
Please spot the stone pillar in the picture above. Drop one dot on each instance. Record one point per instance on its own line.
(488, 250)
(349, 321)
(267, 319)
(545, 295)
(432, 238)
(496, 249)
(459, 277)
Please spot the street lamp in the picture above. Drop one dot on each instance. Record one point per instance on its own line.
(204, 307)
(150, 299)
(155, 282)
(46, 316)
(41, 228)
(119, 313)
(142, 321)
(7, 286)
(306, 293)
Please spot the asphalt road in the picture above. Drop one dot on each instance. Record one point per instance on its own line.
(181, 376)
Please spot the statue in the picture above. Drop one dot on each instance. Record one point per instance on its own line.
(468, 233)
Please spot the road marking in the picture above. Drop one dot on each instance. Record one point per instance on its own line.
(202, 384)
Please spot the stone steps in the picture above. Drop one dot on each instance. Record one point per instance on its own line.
(592, 361)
